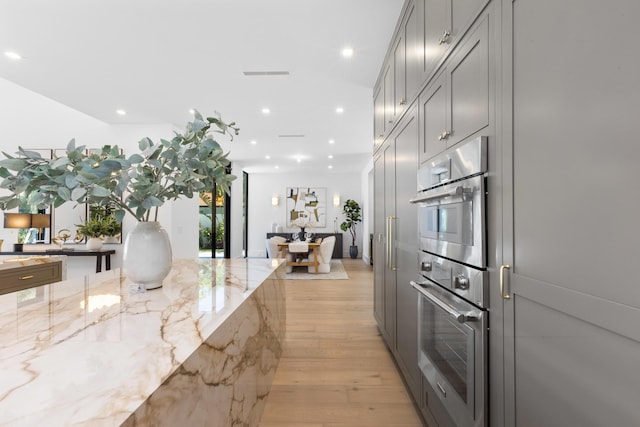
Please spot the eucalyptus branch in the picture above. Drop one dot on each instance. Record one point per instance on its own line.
(108, 175)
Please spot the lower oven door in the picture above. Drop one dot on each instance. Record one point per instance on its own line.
(452, 340)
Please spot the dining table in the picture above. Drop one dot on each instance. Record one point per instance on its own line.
(294, 262)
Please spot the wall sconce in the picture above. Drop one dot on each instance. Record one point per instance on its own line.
(336, 200)
(274, 200)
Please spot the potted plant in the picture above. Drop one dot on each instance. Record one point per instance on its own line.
(93, 230)
(351, 211)
(110, 225)
(138, 184)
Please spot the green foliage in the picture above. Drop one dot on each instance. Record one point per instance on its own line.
(167, 170)
(91, 228)
(351, 211)
(106, 215)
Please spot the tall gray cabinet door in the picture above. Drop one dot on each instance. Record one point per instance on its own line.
(390, 221)
(570, 236)
(379, 256)
(406, 244)
(399, 76)
(413, 35)
(388, 86)
(437, 31)
(469, 84)
(433, 118)
(378, 117)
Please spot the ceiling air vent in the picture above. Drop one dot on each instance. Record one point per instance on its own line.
(265, 73)
(291, 135)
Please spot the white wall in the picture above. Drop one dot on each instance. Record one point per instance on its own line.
(31, 120)
(262, 214)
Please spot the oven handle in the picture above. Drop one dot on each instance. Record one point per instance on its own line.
(455, 192)
(460, 317)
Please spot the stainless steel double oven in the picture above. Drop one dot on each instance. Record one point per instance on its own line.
(453, 282)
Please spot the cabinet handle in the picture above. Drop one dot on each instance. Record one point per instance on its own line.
(381, 135)
(389, 121)
(403, 101)
(445, 37)
(391, 262)
(503, 267)
(26, 277)
(444, 135)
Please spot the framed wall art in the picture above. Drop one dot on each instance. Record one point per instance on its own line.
(306, 206)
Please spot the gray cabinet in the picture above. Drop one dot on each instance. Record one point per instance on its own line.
(413, 35)
(395, 220)
(388, 88)
(456, 104)
(389, 203)
(468, 78)
(567, 338)
(437, 31)
(405, 246)
(379, 244)
(378, 118)
(445, 23)
(384, 214)
(433, 118)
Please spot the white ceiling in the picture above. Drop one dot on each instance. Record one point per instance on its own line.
(156, 59)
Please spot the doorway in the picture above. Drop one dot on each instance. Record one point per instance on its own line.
(213, 224)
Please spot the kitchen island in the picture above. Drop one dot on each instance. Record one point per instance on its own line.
(201, 350)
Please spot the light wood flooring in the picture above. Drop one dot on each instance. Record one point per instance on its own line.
(335, 370)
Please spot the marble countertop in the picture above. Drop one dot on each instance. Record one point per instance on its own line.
(14, 261)
(89, 352)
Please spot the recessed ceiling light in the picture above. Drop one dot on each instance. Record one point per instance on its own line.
(267, 157)
(330, 156)
(339, 110)
(330, 167)
(331, 141)
(265, 73)
(277, 167)
(192, 111)
(347, 52)
(12, 55)
(121, 112)
(266, 111)
(299, 160)
(253, 142)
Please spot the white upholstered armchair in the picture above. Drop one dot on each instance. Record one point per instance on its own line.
(273, 251)
(324, 260)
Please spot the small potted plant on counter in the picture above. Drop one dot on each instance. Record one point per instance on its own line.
(93, 229)
(351, 211)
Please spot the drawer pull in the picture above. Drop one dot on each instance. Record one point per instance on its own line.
(26, 277)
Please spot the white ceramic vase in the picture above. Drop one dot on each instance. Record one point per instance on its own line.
(146, 258)
(94, 243)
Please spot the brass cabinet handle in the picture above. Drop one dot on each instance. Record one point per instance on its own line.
(391, 262)
(445, 37)
(503, 267)
(403, 101)
(26, 277)
(444, 135)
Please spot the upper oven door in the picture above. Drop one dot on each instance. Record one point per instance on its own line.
(450, 221)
